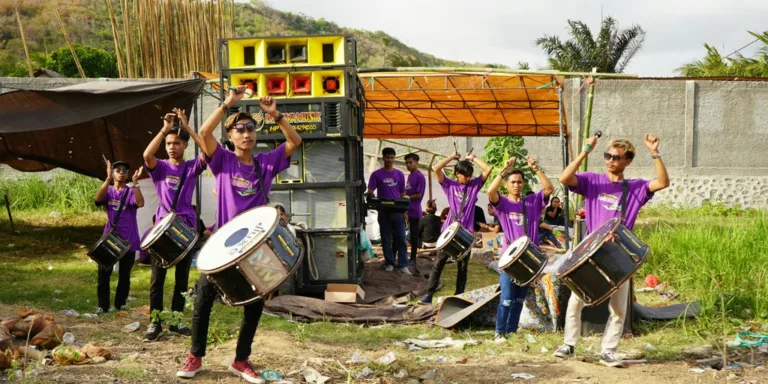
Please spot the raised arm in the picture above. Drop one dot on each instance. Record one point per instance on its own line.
(438, 168)
(206, 130)
(545, 182)
(136, 189)
(102, 192)
(568, 177)
(493, 189)
(482, 164)
(293, 140)
(185, 125)
(149, 153)
(662, 179)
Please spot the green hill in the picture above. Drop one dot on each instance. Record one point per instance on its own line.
(88, 23)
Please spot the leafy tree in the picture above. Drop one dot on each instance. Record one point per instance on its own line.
(610, 52)
(403, 60)
(714, 64)
(95, 62)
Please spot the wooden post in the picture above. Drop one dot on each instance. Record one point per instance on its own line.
(69, 44)
(8, 208)
(429, 173)
(24, 43)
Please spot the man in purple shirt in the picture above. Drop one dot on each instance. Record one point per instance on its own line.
(389, 183)
(414, 190)
(110, 194)
(516, 220)
(602, 201)
(238, 189)
(462, 197)
(167, 176)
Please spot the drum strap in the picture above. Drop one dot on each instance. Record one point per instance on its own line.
(461, 206)
(525, 216)
(120, 207)
(181, 186)
(624, 193)
(260, 177)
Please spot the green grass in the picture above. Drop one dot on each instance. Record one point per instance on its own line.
(63, 191)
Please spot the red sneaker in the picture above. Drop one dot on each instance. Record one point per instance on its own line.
(192, 365)
(244, 370)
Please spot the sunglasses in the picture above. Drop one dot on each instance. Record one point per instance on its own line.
(243, 127)
(608, 156)
(121, 170)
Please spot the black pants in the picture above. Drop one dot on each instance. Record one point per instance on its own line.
(413, 227)
(437, 270)
(123, 282)
(206, 295)
(157, 283)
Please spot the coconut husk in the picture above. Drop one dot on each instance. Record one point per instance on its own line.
(49, 337)
(66, 355)
(31, 353)
(5, 338)
(9, 322)
(32, 325)
(24, 312)
(7, 357)
(94, 349)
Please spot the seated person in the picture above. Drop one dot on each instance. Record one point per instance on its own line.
(553, 215)
(283, 216)
(494, 227)
(429, 226)
(479, 218)
(444, 214)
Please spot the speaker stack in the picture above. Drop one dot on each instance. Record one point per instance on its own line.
(314, 80)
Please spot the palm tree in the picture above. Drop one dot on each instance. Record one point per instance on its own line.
(610, 52)
(714, 64)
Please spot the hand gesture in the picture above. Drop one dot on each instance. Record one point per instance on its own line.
(109, 169)
(532, 163)
(182, 117)
(168, 122)
(652, 142)
(509, 163)
(235, 95)
(268, 105)
(471, 156)
(136, 175)
(456, 156)
(589, 145)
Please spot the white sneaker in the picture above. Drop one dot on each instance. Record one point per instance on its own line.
(406, 271)
(389, 268)
(499, 338)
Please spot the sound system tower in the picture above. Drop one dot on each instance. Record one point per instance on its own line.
(314, 81)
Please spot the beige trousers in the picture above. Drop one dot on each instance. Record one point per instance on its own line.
(614, 328)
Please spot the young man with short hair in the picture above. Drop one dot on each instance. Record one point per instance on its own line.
(389, 183)
(414, 190)
(602, 201)
(167, 176)
(462, 197)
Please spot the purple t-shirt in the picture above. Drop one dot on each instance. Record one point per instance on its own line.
(238, 185)
(602, 198)
(387, 184)
(127, 227)
(166, 178)
(510, 216)
(416, 184)
(454, 192)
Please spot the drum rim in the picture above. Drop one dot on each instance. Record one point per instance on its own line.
(183, 254)
(519, 254)
(146, 242)
(101, 240)
(246, 251)
(589, 255)
(453, 225)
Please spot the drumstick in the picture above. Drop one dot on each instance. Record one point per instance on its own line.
(455, 148)
(104, 157)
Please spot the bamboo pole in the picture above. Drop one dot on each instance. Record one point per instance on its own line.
(116, 39)
(69, 44)
(26, 49)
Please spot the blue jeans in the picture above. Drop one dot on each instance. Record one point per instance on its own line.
(545, 233)
(392, 228)
(511, 303)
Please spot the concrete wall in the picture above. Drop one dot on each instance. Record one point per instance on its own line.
(713, 136)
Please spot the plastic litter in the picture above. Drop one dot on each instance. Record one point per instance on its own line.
(68, 338)
(357, 359)
(529, 338)
(386, 359)
(133, 327)
(523, 376)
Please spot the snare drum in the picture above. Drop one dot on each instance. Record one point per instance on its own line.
(602, 262)
(456, 241)
(109, 249)
(169, 241)
(250, 256)
(523, 261)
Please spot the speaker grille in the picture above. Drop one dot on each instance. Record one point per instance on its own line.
(333, 117)
(331, 255)
(324, 161)
(320, 208)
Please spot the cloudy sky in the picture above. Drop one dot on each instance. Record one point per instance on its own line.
(503, 31)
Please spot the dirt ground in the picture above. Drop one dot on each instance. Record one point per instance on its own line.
(137, 362)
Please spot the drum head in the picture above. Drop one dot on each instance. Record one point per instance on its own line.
(589, 245)
(447, 235)
(514, 251)
(158, 229)
(238, 237)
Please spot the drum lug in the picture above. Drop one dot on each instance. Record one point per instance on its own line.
(597, 267)
(631, 254)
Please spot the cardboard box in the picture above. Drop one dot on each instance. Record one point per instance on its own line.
(344, 293)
